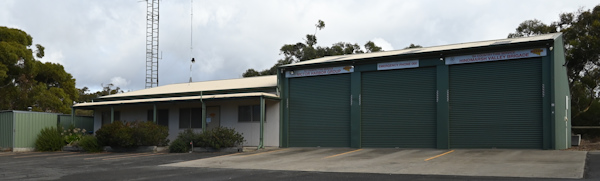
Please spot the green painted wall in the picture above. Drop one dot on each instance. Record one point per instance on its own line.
(561, 97)
(29, 124)
(6, 130)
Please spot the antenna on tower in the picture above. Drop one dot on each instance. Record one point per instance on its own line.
(191, 36)
(152, 43)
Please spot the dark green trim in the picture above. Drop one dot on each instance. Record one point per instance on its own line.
(112, 114)
(442, 107)
(262, 123)
(154, 113)
(546, 109)
(355, 110)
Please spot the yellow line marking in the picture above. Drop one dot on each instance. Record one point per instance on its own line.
(264, 152)
(133, 156)
(439, 155)
(342, 154)
(47, 154)
(111, 156)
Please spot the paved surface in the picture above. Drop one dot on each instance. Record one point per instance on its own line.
(147, 166)
(492, 162)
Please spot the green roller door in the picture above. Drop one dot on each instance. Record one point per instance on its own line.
(496, 104)
(399, 108)
(319, 111)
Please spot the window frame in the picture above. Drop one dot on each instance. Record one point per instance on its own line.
(253, 112)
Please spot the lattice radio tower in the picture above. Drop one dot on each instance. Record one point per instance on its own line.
(151, 43)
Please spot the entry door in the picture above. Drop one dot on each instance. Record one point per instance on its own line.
(399, 108)
(319, 111)
(213, 117)
(496, 104)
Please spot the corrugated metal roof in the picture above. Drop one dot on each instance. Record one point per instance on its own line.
(228, 84)
(426, 49)
(168, 99)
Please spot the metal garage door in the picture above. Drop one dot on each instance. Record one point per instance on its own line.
(319, 111)
(496, 104)
(399, 108)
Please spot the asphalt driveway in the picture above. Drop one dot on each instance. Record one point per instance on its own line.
(483, 162)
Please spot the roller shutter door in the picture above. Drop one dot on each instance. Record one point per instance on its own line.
(319, 111)
(399, 108)
(496, 104)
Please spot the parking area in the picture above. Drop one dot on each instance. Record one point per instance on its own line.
(484, 162)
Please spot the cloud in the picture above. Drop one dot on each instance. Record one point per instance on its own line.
(119, 82)
(386, 46)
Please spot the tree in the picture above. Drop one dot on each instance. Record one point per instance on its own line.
(581, 33)
(27, 82)
(413, 46)
(308, 50)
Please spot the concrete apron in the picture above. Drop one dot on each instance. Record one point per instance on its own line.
(472, 162)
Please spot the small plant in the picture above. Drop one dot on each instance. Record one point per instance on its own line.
(89, 143)
(72, 135)
(150, 134)
(49, 139)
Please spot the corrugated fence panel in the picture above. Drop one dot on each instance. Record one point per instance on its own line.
(320, 111)
(29, 125)
(6, 130)
(496, 104)
(399, 108)
(83, 122)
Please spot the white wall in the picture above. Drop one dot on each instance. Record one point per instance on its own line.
(228, 118)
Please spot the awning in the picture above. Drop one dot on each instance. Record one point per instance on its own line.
(169, 99)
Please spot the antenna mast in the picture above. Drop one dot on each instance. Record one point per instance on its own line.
(151, 43)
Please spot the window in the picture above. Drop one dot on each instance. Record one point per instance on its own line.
(250, 113)
(190, 118)
(106, 117)
(162, 117)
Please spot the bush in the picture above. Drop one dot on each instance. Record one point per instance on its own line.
(220, 137)
(182, 143)
(49, 139)
(150, 134)
(127, 135)
(116, 134)
(89, 143)
(179, 146)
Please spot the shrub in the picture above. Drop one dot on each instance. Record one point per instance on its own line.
(150, 134)
(116, 134)
(182, 143)
(89, 143)
(127, 135)
(49, 139)
(220, 137)
(179, 146)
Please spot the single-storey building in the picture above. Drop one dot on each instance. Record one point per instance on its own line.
(233, 103)
(509, 93)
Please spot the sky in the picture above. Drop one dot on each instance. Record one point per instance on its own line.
(104, 41)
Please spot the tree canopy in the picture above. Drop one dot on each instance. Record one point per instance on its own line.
(308, 50)
(27, 82)
(581, 33)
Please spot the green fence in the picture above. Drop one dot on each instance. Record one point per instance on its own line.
(83, 122)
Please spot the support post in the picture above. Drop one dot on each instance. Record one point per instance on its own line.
(73, 116)
(203, 113)
(112, 114)
(262, 123)
(154, 114)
